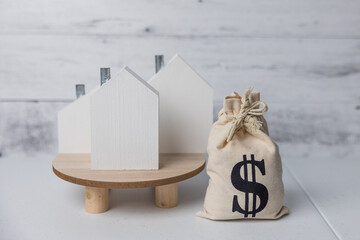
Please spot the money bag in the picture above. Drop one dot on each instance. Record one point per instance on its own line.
(244, 164)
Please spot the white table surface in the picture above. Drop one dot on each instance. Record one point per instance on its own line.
(330, 178)
(35, 204)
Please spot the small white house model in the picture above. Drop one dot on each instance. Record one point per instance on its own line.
(124, 117)
(186, 108)
(118, 123)
(74, 134)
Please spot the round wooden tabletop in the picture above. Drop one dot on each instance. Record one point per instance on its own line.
(173, 168)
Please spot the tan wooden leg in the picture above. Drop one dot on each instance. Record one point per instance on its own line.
(96, 199)
(166, 196)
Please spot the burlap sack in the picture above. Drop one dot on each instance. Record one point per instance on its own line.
(244, 164)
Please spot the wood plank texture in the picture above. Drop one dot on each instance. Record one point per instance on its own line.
(56, 63)
(173, 168)
(207, 18)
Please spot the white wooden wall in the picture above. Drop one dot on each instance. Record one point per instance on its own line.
(302, 55)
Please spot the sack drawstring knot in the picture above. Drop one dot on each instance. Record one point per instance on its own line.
(246, 117)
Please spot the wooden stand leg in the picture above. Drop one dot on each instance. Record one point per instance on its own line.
(96, 200)
(166, 196)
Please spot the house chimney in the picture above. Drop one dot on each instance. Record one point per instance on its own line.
(80, 90)
(159, 62)
(104, 75)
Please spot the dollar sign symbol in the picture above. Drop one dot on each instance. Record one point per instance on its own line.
(243, 185)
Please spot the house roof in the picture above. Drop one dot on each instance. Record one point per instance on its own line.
(177, 59)
(78, 101)
(87, 95)
(126, 68)
(137, 77)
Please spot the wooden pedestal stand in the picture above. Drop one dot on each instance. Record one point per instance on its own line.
(75, 168)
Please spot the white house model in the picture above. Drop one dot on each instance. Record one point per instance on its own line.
(118, 123)
(74, 134)
(124, 116)
(186, 108)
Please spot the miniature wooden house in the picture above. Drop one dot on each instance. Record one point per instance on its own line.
(124, 119)
(74, 134)
(186, 108)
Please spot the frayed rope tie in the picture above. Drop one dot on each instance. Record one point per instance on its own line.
(245, 117)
